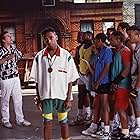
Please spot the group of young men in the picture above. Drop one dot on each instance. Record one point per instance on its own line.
(109, 83)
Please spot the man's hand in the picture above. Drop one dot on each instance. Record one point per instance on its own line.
(113, 88)
(38, 103)
(95, 86)
(9, 57)
(67, 104)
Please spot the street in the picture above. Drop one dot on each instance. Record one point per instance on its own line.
(35, 131)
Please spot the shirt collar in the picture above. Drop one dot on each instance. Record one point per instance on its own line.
(57, 53)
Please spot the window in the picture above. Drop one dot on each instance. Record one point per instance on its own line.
(66, 0)
(137, 11)
(48, 2)
(79, 1)
(107, 24)
(10, 29)
(91, 1)
(86, 26)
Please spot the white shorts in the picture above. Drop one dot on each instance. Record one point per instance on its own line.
(83, 80)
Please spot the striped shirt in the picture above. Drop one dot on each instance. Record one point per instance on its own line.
(9, 68)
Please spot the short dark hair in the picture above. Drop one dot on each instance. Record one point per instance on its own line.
(119, 35)
(124, 25)
(135, 28)
(110, 29)
(49, 29)
(101, 36)
(2, 36)
(89, 33)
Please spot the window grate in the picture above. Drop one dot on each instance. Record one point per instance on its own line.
(48, 2)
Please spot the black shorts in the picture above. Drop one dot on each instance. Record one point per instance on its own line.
(104, 89)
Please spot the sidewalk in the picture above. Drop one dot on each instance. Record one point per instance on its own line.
(35, 131)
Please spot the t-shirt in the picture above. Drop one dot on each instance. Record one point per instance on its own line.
(135, 64)
(101, 59)
(53, 85)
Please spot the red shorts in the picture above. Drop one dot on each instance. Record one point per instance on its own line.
(121, 99)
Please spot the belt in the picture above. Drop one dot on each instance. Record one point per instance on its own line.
(9, 77)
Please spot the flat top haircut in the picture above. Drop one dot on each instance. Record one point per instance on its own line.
(119, 35)
(88, 32)
(49, 29)
(124, 25)
(101, 36)
(135, 28)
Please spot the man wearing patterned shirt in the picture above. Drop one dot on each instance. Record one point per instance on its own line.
(10, 82)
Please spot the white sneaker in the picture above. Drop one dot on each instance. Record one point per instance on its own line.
(8, 125)
(24, 123)
(105, 136)
(98, 133)
(114, 125)
(131, 123)
(89, 131)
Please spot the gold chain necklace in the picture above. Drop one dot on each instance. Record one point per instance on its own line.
(50, 69)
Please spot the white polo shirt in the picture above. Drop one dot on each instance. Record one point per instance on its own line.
(52, 85)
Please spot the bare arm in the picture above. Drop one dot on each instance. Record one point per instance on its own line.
(67, 102)
(37, 92)
(37, 99)
(102, 75)
(69, 91)
(126, 70)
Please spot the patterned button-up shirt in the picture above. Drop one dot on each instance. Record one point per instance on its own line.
(9, 69)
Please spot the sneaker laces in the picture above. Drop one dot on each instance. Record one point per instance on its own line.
(100, 132)
(107, 135)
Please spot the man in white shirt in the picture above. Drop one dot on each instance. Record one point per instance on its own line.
(54, 71)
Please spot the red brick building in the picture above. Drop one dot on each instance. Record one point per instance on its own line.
(26, 20)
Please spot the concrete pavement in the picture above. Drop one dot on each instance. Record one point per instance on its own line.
(35, 131)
